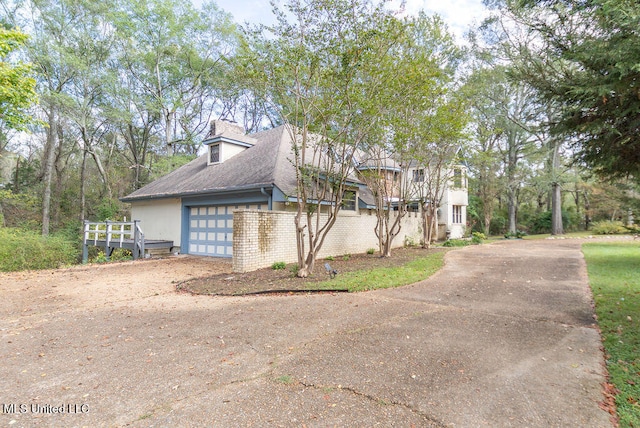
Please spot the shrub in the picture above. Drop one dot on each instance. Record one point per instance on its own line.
(330, 258)
(371, 251)
(456, 243)
(498, 225)
(120, 254)
(541, 223)
(23, 250)
(607, 227)
(19, 210)
(278, 266)
(519, 234)
(409, 242)
(478, 237)
(346, 257)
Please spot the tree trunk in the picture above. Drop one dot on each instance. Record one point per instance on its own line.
(587, 208)
(487, 224)
(168, 135)
(556, 210)
(49, 153)
(58, 168)
(83, 198)
(103, 174)
(302, 272)
(429, 219)
(556, 193)
(511, 206)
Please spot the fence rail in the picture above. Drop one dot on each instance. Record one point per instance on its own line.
(111, 235)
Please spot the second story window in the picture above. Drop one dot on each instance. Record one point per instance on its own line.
(459, 179)
(349, 201)
(418, 175)
(214, 153)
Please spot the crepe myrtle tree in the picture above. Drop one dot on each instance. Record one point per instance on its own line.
(384, 175)
(317, 67)
(435, 158)
(417, 108)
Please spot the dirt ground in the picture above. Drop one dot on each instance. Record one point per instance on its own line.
(502, 336)
(285, 280)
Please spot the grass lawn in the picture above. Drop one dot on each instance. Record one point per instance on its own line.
(614, 275)
(386, 277)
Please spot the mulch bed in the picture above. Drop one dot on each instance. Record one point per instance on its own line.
(264, 281)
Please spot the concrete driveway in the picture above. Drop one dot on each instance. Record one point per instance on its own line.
(503, 336)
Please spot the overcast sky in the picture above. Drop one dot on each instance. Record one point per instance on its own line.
(458, 14)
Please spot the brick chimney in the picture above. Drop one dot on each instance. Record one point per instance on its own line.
(222, 126)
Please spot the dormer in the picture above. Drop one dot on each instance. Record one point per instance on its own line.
(225, 140)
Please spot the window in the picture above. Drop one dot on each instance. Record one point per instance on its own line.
(214, 153)
(418, 175)
(458, 179)
(349, 201)
(457, 214)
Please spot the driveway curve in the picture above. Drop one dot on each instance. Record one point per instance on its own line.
(502, 336)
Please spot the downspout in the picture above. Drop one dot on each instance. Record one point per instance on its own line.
(270, 202)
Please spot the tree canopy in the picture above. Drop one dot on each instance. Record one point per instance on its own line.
(584, 57)
(17, 83)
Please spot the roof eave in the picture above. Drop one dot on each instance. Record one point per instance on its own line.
(204, 192)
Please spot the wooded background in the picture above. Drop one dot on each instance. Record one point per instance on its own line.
(100, 98)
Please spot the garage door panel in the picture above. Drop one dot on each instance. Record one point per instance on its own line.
(211, 229)
(209, 234)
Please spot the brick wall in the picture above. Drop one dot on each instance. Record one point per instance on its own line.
(261, 238)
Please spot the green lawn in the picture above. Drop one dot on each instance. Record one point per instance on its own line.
(614, 274)
(364, 280)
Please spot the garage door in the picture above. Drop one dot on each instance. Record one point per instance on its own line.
(211, 229)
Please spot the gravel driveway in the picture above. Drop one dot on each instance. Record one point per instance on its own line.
(503, 336)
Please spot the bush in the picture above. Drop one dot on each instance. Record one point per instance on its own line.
(478, 237)
(498, 225)
(371, 251)
(607, 227)
(19, 210)
(541, 223)
(118, 255)
(278, 266)
(456, 243)
(519, 234)
(24, 250)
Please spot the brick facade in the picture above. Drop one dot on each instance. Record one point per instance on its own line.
(261, 238)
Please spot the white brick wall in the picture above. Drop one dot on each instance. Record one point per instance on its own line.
(261, 238)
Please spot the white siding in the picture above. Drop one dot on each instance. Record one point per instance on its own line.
(228, 151)
(160, 218)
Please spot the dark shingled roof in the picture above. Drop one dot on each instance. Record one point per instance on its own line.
(267, 163)
(264, 164)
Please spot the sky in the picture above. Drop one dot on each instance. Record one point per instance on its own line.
(458, 14)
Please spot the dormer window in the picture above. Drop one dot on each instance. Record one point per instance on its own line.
(214, 153)
(224, 141)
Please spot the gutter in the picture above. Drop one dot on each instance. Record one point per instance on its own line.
(269, 196)
(223, 191)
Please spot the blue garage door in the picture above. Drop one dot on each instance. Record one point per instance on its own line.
(211, 231)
